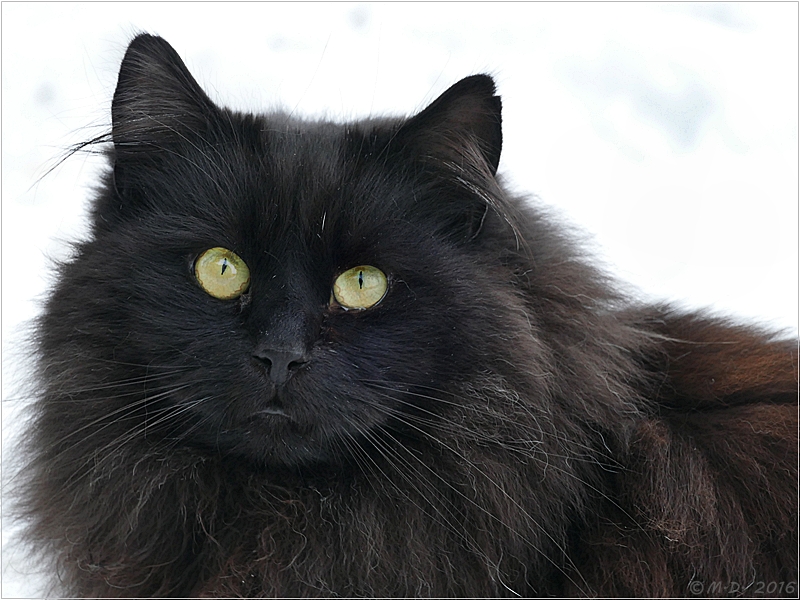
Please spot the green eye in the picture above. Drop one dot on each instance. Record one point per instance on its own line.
(360, 287)
(221, 273)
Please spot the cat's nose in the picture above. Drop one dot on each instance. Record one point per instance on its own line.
(281, 364)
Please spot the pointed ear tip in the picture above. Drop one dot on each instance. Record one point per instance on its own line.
(142, 40)
(481, 82)
(147, 43)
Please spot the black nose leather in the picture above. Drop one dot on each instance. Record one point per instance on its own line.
(281, 364)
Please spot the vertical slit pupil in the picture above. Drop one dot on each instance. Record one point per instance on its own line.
(224, 265)
(360, 279)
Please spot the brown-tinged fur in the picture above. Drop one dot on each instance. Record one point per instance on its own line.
(708, 495)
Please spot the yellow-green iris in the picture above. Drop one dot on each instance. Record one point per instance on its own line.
(360, 287)
(222, 273)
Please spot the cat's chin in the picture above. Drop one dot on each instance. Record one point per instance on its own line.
(273, 437)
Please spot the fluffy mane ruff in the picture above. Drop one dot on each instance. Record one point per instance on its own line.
(515, 428)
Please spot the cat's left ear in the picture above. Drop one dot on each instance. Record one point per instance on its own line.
(157, 102)
(464, 123)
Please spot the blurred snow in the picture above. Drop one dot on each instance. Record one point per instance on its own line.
(666, 132)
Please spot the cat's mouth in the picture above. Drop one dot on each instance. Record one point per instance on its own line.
(272, 411)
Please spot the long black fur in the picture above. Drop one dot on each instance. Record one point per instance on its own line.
(502, 423)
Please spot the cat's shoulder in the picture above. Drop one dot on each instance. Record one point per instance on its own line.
(707, 500)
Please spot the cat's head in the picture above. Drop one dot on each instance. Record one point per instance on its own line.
(283, 289)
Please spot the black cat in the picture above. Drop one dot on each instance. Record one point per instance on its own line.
(300, 358)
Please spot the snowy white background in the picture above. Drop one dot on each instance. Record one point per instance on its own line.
(667, 132)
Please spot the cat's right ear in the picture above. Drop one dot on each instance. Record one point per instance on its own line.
(157, 102)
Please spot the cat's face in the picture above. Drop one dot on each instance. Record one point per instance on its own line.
(288, 289)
